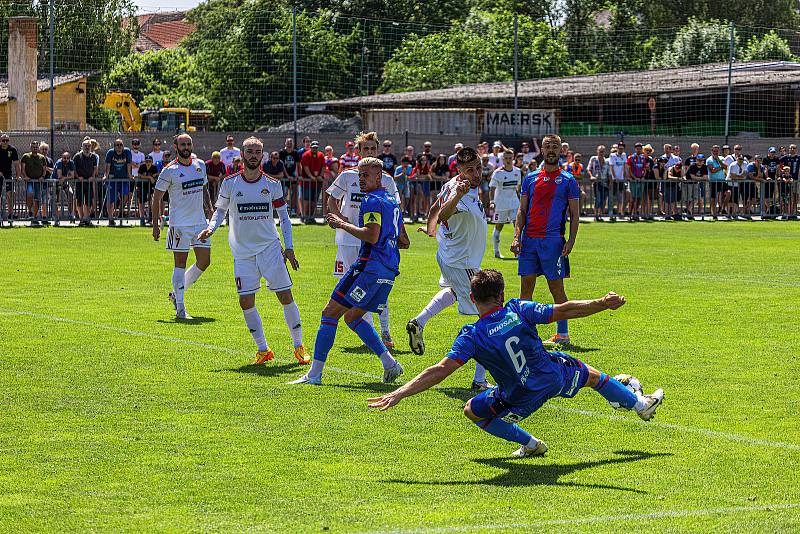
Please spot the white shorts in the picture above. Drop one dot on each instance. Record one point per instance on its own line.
(268, 264)
(182, 238)
(504, 216)
(458, 279)
(346, 256)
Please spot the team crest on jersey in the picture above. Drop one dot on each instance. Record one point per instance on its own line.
(239, 194)
(265, 191)
(507, 323)
(559, 179)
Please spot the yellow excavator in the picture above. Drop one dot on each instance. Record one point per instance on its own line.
(166, 119)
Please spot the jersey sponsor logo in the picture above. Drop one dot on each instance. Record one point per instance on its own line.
(384, 281)
(192, 183)
(356, 197)
(372, 217)
(357, 294)
(512, 418)
(254, 207)
(511, 183)
(574, 384)
(507, 323)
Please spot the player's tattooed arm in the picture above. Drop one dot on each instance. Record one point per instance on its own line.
(450, 205)
(574, 309)
(369, 233)
(425, 380)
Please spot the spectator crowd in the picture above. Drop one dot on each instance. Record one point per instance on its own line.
(118, 183)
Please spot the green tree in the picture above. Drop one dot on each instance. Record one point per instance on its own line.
(698, 42)
(770, 46)
(756, 13)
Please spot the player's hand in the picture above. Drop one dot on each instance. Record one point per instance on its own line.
(462, 187)
(288, 254)
(424, 230)
(515, 246)
(156, 231)
(205, 234)
(567, 248)
(334, 221)
(385, 402)
(612, 301)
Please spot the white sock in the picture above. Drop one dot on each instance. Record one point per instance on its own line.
(533, 443)
(253, 321)
(192, 274)
(480, 373)
(316, 368)
(496, 240)
(384, 318)
(641, 404)
(178, 284)
(387, 360)
(443, 299)
(367, 318)
(292, 316)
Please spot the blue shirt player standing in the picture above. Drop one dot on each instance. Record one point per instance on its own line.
(546, 196)
(505, 341)
(366, 286)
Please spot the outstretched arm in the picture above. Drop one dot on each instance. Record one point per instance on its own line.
(573, 309)
(425, 380)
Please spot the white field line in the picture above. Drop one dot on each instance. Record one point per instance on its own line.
(612, 417)
(667, 514)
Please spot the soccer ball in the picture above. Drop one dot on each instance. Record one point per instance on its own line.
(630, 382)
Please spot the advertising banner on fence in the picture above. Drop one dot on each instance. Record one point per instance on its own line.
(527, 122)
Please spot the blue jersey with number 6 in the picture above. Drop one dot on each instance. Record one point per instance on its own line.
(506, 342)
(380, 207)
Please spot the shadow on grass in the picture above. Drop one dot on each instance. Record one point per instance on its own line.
(525, 472)
(372, 387)
(462, 394)
(363, 349)
(578, 349)
(267, 369)
(194, 320)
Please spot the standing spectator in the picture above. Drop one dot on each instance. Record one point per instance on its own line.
(563, 158)
(156, 154)
(49, 189)
(216, 171)
(306, 146)
(528, 155)
(274, 167)
(578, 171)
(85, 173)
(716, 177)
(118, 174)
(167, 158)
(756, 176)
(420, 187)
(690, 189)
(235, 167)
(64, 173)
(737, 172)
(452, 157)
(772, 163)
(520, 163)
(636, 171)
(291, 160)
(401, 176)
(599, 172)
(312, 163)
(426, 151)
(388, 158)
(229, 152)
(440, 173)
(791, 161)
(619, 186)
(137, 158)
(496, 157)
(9, 169)
(348, 160)
(146, 175)
(33, 166)
(651, 186)
(483, 149)
(670, 177)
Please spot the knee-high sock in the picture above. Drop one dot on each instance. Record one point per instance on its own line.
(511, 432)
(178, 285)
(562, 328)
(371, 339)
(323, 344)
(614, 391)
(292, 317)
(496, 240)
(443, 299)
(480, 373)
(253, 320)
(384, 319)
(192, 274)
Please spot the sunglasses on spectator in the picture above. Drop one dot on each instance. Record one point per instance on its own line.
(117, 144)
(387, 145)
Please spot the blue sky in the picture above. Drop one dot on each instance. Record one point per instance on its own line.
(148, 6)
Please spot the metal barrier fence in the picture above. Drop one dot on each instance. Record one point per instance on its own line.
(124, 202)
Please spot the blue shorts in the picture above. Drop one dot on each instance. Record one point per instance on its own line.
(542, 255)
(36, 189)
(490, 403)
(422, 187)
(365, 290)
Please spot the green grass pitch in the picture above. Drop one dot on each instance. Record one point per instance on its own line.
(115, 418)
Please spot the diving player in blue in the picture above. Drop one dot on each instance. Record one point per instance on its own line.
(505, 341)
(366, 286)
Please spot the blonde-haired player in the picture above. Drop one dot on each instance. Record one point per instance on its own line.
(344, 200)
(252, 199)
(504, 192)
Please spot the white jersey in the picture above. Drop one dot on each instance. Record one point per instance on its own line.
(137, 158)
(527, 157)
(252, 213)
(462, 239)
(227, 155)
(184, 183)
(496, 161)
(506, 184)
(346, 188)
(158, 157)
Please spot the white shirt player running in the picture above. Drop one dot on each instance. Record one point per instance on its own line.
(346, 188)
(184, 184)
(462, 239)
(251, 206)
(505, 185)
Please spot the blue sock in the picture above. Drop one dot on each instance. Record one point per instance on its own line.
(614, 391)
(325, 337)
(562, 328)
(501, 429)
(368, 335)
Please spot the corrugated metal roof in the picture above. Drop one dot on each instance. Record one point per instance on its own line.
(43, 84)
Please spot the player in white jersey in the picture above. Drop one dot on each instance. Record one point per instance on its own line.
(185, 180)
(504, 191)
(252, 198)
(345, 201)
(462, 242)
